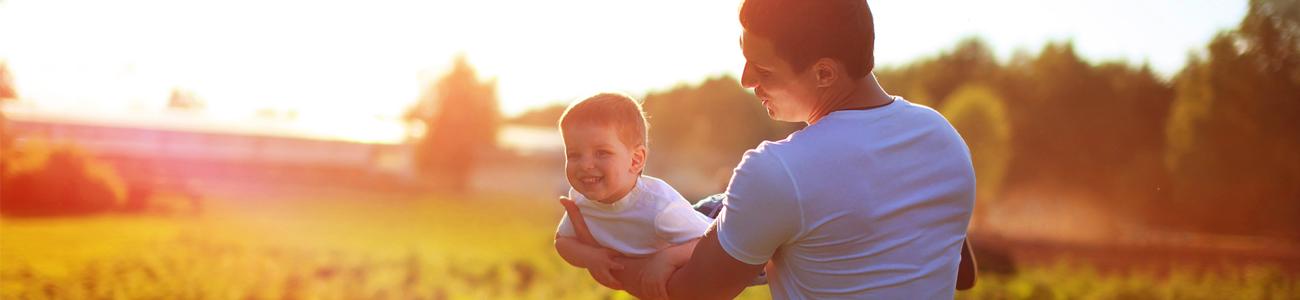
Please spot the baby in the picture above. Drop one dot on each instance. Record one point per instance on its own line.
(627, 213)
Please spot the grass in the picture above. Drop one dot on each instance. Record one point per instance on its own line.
(481, 248)
(1067, 280)
(432, 248)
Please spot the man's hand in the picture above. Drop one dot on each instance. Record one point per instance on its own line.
(600, 268)
(579, 222)
(583, 251)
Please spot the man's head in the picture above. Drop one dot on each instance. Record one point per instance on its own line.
(605, 145)
(796, 49)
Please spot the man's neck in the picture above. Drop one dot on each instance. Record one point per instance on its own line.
(863, 92)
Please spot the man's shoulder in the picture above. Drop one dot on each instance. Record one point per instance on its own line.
(769, 155)
(925, 114)
(765, 171)
(920, 114)
(918, 107)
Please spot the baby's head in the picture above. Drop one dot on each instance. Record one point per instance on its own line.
(604, 145)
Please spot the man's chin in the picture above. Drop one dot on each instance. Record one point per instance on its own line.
(771, 114)
(776, 117)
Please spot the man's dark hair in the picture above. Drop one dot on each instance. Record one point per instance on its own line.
(806, 30)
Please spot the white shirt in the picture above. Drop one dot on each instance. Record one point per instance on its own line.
(653, 216)
(863, 204)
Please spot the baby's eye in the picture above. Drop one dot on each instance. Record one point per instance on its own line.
(604, 153)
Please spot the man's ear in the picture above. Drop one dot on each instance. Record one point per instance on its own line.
(638, 159)
(826, 71)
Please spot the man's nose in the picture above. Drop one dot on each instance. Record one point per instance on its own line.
(747, 79)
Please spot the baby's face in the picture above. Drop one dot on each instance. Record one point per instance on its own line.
(598, 164)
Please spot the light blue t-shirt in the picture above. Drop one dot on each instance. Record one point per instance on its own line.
(863, 204)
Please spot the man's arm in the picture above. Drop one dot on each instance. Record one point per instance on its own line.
(710, 273)
(761, 213)
(764, 213)
(654, 279)
(677, 255)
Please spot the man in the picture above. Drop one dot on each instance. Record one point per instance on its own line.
(871, 200)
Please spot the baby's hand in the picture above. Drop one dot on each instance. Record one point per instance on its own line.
(600, 267)
(654, 278)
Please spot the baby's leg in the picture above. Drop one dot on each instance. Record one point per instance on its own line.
(710, 206)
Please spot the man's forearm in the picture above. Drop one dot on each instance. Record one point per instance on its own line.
(711, 273)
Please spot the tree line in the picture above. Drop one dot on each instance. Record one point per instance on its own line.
(1212, 148)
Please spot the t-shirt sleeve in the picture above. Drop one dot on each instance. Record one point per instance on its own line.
(761, 211)
(566, 227)
(679, 223)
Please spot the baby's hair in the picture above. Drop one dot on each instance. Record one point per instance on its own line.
(609, 109)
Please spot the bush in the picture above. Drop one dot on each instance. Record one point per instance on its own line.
(42, 179)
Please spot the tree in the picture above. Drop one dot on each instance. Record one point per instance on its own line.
(1095, 128)
(461, 119)
(930, 81)
(44, 179)
(546, 116)
(185, 100)
(7, 91)
(1233, 131)
(980, 116)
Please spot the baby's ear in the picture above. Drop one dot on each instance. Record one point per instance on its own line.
(638, 158)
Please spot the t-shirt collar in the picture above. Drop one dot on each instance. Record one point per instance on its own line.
(878, 111)
(621, 204)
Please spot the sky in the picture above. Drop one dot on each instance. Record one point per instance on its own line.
(335, 62)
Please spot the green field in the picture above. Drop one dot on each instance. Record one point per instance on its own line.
(437, 247)
(483, 248)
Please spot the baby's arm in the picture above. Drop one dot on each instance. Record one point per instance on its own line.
(582, 255)
(597, 260)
